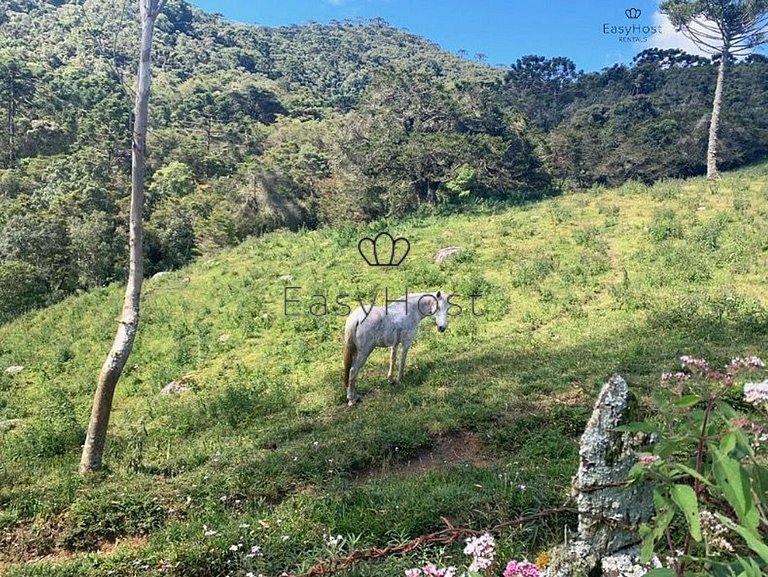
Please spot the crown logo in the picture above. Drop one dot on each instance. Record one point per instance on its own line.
(633, 13)
(384, 250)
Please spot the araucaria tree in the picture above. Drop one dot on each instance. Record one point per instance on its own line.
(93, 449)
(724, 28)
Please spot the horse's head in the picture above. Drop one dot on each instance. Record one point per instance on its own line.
(437, 305)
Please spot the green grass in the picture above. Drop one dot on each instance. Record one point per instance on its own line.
(574, 289)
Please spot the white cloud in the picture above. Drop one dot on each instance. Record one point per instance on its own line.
(670, 38)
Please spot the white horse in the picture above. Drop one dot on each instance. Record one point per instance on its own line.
(388, 326)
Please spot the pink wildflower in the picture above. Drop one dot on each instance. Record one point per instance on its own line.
(521, 569)
(689, 361)
(678, 376)
(482, 549)
(739, 363)
(648, 459)
(429, 570)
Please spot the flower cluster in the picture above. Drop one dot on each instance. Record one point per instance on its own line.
(714, 532)
(430, 570)
(255, 552)
(689, 361)
(333, 542)
(648, 459)
(756, 393)
(679, 376)
(482, 549)
(521, 569)
(749, 426)
(739, 363)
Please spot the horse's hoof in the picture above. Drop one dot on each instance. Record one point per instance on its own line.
(353, 402)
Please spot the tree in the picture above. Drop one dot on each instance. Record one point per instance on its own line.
(16, 86)
(542, 88)
(42, 240)
(726, 29)
(93, 449)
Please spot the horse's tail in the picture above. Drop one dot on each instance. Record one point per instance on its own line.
(350, 349)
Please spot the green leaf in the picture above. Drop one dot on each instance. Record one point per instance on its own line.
(692, 472)
(687, 401)
(665, 512)
(685, 498)
(743, 448)
(636, 472)
(750, 566)
(660, 500)
(640, 427)
(759, 477)
(646, 549)
(726, 410)
(733, 481)
(751, 537)
(728, 443)
(661, 572)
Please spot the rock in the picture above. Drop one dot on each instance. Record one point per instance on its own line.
(448, 252)
(175, 388)
(223, 338)
(576, 558)
(627, 564)
(610, 513)
(286, 278)
(9, 424)
(160, 274)
(14, 370)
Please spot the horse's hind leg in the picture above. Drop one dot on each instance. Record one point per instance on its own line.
(392, 361)
(360, 357)
(352, 394)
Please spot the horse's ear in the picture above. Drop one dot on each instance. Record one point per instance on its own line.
(438, 294)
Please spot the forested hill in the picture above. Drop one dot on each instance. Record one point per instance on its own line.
(255, 128)
(314, 65)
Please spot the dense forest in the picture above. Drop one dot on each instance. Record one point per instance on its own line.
(257, 128)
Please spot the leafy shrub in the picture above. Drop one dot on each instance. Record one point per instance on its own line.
(21, 288)
(537, 269)
(54, 431)
(708, 467)
(665, 189)
(707, 235)
(665, 225)
(98, 516)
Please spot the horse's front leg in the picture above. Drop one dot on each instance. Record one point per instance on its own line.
(392, 361)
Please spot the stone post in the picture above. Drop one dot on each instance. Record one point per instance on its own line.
(610, 512)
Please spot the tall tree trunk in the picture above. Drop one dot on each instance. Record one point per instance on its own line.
(714, 124)
(93, 449)
(11, 115)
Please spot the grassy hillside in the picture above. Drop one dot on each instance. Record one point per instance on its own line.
(263, 451)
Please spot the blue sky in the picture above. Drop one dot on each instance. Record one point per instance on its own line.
(503, 30)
